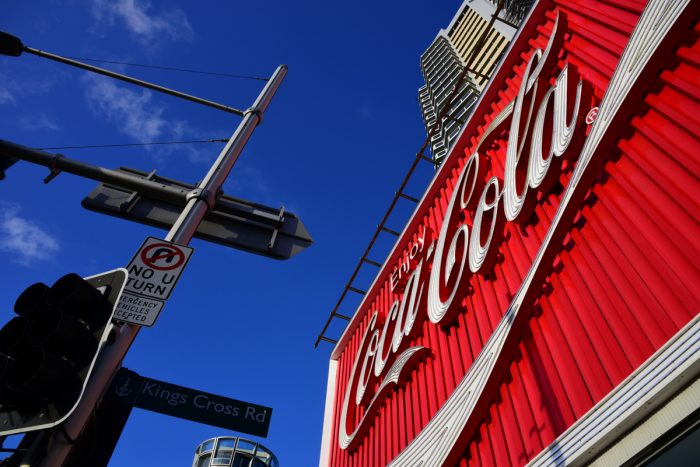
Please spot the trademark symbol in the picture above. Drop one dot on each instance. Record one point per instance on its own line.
(592, 115)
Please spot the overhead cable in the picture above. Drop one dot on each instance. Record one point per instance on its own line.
(122, 145)
(169, 68)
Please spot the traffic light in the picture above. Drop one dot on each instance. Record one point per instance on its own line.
(48, 350)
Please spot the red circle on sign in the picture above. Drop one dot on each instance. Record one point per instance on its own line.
(171, 252)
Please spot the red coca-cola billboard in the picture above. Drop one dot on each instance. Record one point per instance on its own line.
(542, 303)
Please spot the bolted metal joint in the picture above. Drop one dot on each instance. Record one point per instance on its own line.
(205, 195)
(255, 111)
(53, 170)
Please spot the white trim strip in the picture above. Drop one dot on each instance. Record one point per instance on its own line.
(328, 414)
(659, 379)
(653, 428)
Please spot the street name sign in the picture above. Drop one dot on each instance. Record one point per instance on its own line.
(191, 404)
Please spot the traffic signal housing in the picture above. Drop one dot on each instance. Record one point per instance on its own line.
(48, 351)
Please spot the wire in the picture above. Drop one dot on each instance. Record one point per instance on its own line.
(123, 145)
(168, 68)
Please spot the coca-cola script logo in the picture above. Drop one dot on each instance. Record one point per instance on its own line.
(544, 120)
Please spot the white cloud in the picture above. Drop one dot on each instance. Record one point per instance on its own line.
(147, 26)
(6, 96)
(38, 122)
(11, 89)
(132, 111)
(24, 238)
(136, 115)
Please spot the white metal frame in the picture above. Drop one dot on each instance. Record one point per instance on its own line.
(646, 405)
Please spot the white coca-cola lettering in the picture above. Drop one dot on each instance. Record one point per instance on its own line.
(381, 358)
(477, 250)
(561, 134)
(368, 361)
(408, 310)
(370, 345)
(456, 246)
(440, 275)
(514, 198)
(402, 269)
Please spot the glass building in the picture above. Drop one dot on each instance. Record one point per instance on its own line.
(231, 451)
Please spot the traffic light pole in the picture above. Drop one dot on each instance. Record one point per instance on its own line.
(207, 190)
(200, 201)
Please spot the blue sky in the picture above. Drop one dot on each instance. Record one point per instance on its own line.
(334, 146)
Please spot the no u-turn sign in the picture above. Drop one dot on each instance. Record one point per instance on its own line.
(153, 273)
(163, 256)
(156, 267)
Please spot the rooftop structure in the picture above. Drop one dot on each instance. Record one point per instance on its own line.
(231, 451)
(445, 60)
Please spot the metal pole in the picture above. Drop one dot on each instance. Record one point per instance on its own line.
(129, 79)
(111, 357)
(59, 163)
(186, 225)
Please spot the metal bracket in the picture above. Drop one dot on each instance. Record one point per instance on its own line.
(255, 111)
(53, 171)
(205, 195)
(356, 290)
(408, 197)
(280, 218)
(506, 22)
(389, 231)
(134, 196)
(454, 119)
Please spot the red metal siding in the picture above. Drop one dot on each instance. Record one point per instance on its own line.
(624, 282)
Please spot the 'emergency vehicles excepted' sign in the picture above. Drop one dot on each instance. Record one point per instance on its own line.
(156, 267)
(137, 309)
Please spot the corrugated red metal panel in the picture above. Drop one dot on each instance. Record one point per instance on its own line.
(624, 282)
(636, 251)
